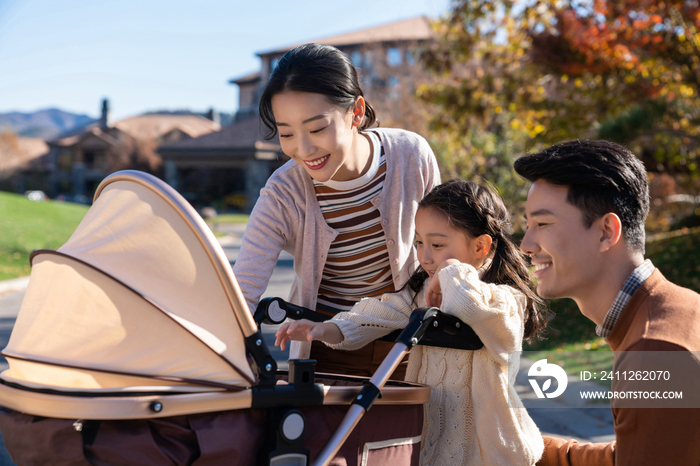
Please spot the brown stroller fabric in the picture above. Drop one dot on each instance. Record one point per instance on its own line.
(209, 439)
(130, 348)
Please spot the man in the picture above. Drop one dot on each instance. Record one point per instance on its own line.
(585, 217)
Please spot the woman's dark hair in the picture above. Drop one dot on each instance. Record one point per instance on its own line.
(316, 68)
(602, 177)
(477, 210)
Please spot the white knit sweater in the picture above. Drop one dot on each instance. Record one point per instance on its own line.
(474, 416)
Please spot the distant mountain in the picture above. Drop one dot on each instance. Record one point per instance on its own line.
(45, 124)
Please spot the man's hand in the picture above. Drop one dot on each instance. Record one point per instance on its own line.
(305, 330)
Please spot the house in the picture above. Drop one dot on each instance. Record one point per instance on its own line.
(236, 162)
(224, 169)
(79, 161)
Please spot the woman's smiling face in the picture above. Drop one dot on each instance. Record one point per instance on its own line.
(320, 136)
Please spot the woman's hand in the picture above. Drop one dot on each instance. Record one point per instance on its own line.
(433, 294)
(305, 330)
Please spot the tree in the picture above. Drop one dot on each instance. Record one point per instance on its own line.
(491, 103)
(638, 62)
(517, 76)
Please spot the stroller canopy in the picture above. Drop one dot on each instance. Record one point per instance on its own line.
(141, 295)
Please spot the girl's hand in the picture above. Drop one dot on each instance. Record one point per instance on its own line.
(305, 330)
(433, 294)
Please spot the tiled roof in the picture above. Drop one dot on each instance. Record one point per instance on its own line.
(143, 127)
(91, 131)
(413, 29)
(249, 78)
(71, 137)
(153, 126)
(241, 135)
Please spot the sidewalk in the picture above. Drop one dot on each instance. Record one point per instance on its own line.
(16, 284)
(567, 416)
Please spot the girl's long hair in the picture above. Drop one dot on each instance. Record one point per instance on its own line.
(477, 210)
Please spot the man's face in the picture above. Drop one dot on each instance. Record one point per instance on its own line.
(565, 253)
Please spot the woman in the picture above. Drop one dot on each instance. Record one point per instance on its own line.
(343, 207)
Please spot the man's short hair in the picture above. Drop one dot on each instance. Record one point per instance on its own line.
(602, 177)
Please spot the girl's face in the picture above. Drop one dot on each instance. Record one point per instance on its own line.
(437, 240)
(320, 136)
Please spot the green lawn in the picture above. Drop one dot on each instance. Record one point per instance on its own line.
(27, 225)
(216, 223)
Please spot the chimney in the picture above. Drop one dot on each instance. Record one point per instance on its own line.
(214, 116)
(104, 119)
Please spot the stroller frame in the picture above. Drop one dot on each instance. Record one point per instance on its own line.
(254, 387)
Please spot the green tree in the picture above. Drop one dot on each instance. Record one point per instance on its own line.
(491, 105)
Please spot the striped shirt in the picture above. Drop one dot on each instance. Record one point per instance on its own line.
(358, 261)
(632, 284)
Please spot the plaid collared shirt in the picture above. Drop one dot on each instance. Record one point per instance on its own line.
(632, 284)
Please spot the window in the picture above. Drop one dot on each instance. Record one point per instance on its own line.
(393, 57)
(378, 82)
(356, 58)
(411, 57)
(95, 159)
(393, 83)
(65, 160)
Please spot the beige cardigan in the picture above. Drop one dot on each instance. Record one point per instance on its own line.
(474, 416)
(287, 217)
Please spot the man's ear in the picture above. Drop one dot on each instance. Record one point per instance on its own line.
(610, 230)
(483, 245)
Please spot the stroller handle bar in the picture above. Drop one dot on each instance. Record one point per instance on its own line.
(420, 320)
(426, 326)
(444, 331)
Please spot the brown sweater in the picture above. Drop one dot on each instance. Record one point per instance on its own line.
(660, 316)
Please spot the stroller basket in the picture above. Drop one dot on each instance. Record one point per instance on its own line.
(134, 345)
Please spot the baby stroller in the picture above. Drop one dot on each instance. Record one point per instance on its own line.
(134, 345)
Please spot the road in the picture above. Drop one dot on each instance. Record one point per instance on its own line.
(569, 419)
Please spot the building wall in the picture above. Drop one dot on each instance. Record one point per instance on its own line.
(248, 95)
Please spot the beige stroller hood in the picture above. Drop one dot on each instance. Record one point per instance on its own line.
(134, 342)
(140, 299)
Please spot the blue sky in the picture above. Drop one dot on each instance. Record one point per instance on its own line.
(147, 55)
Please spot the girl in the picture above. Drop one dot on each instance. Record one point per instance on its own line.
(471, 269)
(342, 206)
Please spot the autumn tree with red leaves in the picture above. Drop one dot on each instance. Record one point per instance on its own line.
(518, 76)
(638, 61)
